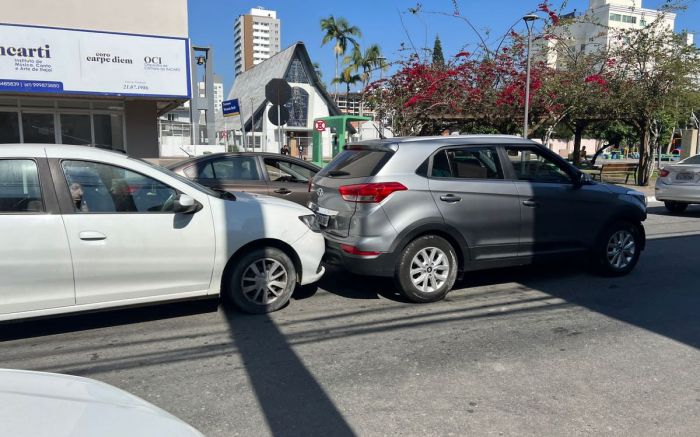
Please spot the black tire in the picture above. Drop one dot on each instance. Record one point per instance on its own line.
(612, 255)
(675, 207)
(405, 281)
(262, 299)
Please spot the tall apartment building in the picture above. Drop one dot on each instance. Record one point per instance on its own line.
(605, 18)
(256, 37)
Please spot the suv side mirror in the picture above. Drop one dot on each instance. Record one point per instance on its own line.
(581, 179)
(185, 204)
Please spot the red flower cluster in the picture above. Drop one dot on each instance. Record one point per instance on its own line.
(544, 7)
(596, 78)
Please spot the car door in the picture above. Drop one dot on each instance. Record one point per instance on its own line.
(289, 180)
(125, 239)
(470, 190)
(557, 216)
(232, 173)
(36, 271)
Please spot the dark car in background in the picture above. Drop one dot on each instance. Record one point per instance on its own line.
(254, 172)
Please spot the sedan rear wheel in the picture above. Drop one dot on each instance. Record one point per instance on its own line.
(262, 281)
(675, 207)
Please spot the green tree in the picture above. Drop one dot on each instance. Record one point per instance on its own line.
(366, 63)
(438, 57)
(342, 34)
(349, 77)
(655, 70)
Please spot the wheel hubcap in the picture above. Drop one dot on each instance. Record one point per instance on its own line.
(430, 269)
(264, 281)
(621, 249)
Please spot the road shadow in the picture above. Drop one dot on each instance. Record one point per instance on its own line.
(345, 284)
(21, 329)
(292, 400)
(692, 211)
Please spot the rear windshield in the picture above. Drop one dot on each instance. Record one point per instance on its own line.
(356, 164)
(692, 160)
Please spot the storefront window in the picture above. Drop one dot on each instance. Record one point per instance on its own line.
(38, 128)
(109, 132)
(9, 127)
(75, 129)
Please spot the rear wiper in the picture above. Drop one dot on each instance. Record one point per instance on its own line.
(337, 173)
(224, 194)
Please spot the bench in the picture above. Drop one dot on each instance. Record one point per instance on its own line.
(616, 170)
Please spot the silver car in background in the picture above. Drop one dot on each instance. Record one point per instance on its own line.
(678, 184)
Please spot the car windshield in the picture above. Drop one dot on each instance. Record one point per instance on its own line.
(182, 179)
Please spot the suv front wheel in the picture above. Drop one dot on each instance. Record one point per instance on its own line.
(427, 269)
(618, 249)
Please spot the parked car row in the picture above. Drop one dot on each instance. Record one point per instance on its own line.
(85, 229)
(678, 185)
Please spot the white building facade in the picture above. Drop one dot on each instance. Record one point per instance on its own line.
(256, 37)
(600, 25)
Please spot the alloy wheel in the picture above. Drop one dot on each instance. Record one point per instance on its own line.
(621, 249)
(430, 269)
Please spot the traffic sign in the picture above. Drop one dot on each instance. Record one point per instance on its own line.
(283, 113)
(230, 108)
(278, 91)
(320, 125)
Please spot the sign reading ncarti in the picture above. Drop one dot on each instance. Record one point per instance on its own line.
(48, 60)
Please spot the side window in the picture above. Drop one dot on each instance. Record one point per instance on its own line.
(529, 165)
(104, 188)
(285, 171)
(467, 163)
(233, 168)
(19, 186)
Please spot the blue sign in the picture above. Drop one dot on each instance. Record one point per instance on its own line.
(30, 85)
(230, 108)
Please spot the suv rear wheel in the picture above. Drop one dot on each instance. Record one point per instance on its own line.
(426, 269)
(262, 281)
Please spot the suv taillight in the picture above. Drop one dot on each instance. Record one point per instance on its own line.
(663, 173)
(370, 193)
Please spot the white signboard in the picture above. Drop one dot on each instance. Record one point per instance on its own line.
(48, 60)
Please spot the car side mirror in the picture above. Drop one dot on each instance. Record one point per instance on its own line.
(581, 179)
(185, 204)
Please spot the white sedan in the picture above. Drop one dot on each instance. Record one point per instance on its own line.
(678, 185)
(84, 229)
(38, 404)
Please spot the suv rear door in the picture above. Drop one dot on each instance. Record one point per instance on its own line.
(470, 190)
(358, 164)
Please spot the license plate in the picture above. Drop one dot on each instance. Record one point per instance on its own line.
(684, 176)
(322, 219)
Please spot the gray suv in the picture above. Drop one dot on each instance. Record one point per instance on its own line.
(424, 210)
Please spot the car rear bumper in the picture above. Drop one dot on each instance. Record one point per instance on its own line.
(378, 265)
(677, 193)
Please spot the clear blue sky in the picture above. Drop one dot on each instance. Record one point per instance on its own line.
(211, 24)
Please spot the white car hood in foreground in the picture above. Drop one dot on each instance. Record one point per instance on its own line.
(38, 404)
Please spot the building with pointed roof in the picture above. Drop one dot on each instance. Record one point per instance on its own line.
(309, 101)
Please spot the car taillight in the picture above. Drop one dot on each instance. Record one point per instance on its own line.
(352, 250)
(370, 193)
(663, 173)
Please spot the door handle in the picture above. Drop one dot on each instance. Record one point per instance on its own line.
(92, 236)
(283, 191)
(531, 203)
(450, 198)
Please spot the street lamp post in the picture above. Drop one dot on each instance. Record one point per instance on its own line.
(528, 20)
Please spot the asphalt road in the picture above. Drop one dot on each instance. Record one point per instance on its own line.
(548, 350)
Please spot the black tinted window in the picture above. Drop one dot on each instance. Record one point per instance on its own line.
(233, 168)
(530, 165)
(441, 166)
(475, 163)
(356, 164)
(19, 186)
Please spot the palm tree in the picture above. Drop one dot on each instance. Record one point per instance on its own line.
(349, 77)
(367, 62)
(342, 33)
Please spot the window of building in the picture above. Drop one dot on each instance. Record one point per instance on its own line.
(629, 19)
(298, 107)
(103, 188)
(38, 128)
(20, 190)
(615, 17)
(296, 72)
(9, 127)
